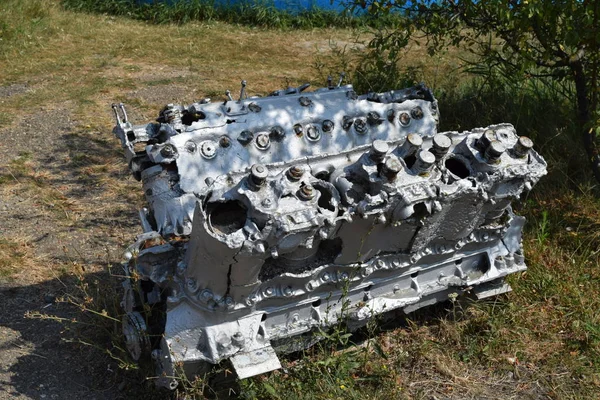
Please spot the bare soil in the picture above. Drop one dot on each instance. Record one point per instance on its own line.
(80, 232)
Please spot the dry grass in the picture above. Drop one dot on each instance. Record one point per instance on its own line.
(89, 59)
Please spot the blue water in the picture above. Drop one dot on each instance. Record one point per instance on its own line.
(303, 5)
(293, 6)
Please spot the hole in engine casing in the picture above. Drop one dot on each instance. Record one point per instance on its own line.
(226, 217)
(326, 253)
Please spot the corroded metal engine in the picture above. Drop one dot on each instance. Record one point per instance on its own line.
(269, 218)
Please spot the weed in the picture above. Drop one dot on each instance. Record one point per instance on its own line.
(542, 231)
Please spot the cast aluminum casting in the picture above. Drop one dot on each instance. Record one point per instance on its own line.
(270, 217)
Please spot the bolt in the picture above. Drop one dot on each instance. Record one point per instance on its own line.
(391, 114)
(206, 295)
(486, 139)
(312, 133)
(288, 291)
(327, 126)
(223, 341)
(410, 146)
(500, 263)
(267, 203)
(253, 298)
(342, 76)
(208, 149)
(379, 149)
(522, 147)
(519, 258)
(262, 141)
(391, 168)
(424, 162)
(224, 142)
(245, 137)
(168, 151)
(344, 276)
(191, 283)
(373, 118)
(326, 277)
(305, 101)
(190, 146)
(269, 291)
(347, 122)
(441, 145)
(229, 303)
(380, 264)
(238, 339)
(277, 133)
(295, 172)
(417, 112)
(243, 91)
(307, 192)
(298, 130)
(255, 108)
(404, 119)
(494, 152)
(258, 174)
(360, 126)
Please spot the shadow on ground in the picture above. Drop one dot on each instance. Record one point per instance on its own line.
(39, 359)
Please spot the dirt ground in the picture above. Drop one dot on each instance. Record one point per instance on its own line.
(81, 228)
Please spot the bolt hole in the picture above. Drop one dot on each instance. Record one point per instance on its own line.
(316, 303)
(264, 317)
(323, 175)
(457, 167)
(410, 161)
(368, 288)
(458, 262)
(414, 274)
(189, 118)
